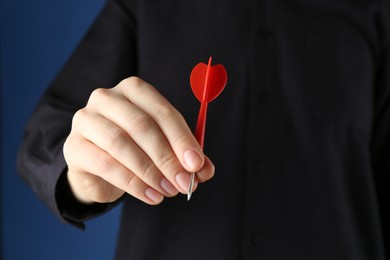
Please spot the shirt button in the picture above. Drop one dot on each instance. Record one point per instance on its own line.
(257, 239)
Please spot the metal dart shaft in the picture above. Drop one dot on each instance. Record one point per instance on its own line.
(191, 186)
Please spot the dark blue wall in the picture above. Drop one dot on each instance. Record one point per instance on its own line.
(36, 39)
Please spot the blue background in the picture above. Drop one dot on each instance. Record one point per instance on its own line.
(36, 39)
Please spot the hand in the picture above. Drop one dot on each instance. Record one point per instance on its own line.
(131, 139)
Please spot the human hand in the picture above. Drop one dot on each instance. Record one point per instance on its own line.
(131, 139)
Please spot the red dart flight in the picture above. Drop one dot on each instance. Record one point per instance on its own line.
(207, 82)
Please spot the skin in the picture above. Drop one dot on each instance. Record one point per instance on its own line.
(131, 139)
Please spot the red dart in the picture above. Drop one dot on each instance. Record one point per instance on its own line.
(207, 82)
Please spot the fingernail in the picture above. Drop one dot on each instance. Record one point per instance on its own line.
(168, 187)
(183, 179)
(192, 159)
(154, 195)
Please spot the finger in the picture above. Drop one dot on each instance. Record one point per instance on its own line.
(145, 133)
(115, 141)
(207, 172)
(98, 162)
(171, 122)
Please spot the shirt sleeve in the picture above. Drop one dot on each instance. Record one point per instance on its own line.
(381, 128)
(106, 55)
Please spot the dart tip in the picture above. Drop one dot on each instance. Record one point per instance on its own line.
(190, 186)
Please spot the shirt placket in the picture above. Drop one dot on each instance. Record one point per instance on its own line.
(258, 221)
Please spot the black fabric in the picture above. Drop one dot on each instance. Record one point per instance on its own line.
(300, 136)
(74, 211)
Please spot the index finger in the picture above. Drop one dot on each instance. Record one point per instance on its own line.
(170, 121)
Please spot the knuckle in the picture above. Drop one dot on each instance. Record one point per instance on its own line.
(134, 87)
(132, 185)
(104, 163)
(166, 112)
(132, 82)
(115, 138)
(170, 116)
(67, 150)
(78, 117)
(98, 95)
(181, 140)
(166, 161)
(141, 123)
(148, 172)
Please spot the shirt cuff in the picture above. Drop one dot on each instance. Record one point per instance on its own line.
(71, 210)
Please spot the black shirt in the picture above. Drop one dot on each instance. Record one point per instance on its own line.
(300, 137)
